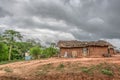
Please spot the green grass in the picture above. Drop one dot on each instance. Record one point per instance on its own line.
(7, 62)
(107, 72)
(103, 68)
(87, 70)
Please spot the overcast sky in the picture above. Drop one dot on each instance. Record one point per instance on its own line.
(53, 20)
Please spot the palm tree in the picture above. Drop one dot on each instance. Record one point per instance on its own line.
(10, 37)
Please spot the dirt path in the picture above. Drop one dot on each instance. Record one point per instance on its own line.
(33, 63)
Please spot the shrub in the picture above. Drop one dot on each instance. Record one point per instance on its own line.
(50, 51)
(35, 52)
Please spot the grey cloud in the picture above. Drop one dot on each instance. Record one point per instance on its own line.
(83, 19)
(4, 13)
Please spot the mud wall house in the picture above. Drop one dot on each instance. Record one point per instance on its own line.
(84, 48)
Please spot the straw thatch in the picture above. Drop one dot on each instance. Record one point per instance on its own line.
(75, 43)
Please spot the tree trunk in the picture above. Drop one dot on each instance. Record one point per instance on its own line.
(10, 50)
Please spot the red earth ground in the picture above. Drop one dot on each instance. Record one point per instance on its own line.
(26, 70)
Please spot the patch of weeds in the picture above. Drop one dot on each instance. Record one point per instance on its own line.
(7, 62)
(7, 69)
(85, 69)
(44, 69)
(99, 65)
(47, 66)
(60, 67)
(41, 72)
(88, 70)
(107, 72)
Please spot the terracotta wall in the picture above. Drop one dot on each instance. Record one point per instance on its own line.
(97, 51)
(69, 51)
(92, 51)
(112, 51)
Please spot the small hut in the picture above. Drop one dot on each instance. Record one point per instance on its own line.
(85, 48)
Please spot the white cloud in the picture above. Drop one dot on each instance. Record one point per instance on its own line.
(96, 20)
(115, 42)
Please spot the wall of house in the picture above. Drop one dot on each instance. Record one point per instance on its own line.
(112, 51)
(70, 50)
(92, 51)
(97, 51)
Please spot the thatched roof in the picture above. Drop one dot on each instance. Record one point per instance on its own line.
(75, 43)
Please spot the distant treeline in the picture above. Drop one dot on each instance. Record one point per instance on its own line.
(13, 48)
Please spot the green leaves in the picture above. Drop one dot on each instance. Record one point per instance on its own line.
(35, 52)
(50, 51)
(11, 36)
(14, 48)
(3, 52)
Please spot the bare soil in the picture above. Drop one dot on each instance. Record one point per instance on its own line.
(60, 69)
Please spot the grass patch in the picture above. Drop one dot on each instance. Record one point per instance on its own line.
(41, 72)
(103, 68)
(7, 69)
(60, 67)
(44, 69)
(87, 70)
(107, 72)
(7, 62)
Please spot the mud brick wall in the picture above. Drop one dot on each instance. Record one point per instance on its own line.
(92, 51)
(97, 51)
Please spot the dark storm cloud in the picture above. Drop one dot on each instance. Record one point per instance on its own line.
(80, 19)
(79, 14)
(4, 13)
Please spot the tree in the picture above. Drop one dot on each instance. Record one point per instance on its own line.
(10, 37)
(50, 51)
(35, 52)
(3, 52)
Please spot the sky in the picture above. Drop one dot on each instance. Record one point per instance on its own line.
(54, 20)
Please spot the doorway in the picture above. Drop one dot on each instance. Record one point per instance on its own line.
(85, 51)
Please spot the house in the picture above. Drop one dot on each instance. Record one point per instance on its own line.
(76, 48)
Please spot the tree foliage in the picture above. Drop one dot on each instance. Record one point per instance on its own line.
(12, 47)
(35, 52)
(50, 51)
(3, 52)
(10, 36)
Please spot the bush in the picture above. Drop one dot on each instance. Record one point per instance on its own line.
(35, 52)
(50, 51)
